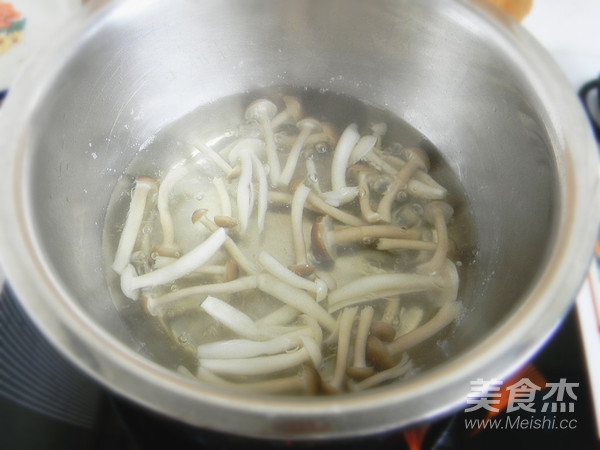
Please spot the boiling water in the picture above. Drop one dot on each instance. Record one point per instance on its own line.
(172, 338)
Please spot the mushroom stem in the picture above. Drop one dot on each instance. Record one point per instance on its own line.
(364, 198)
(312, 176)
(176, 173)
(424, 191)
(343, 347)
(224, 199)
(403, 244)
(442, 318)
(261, 365)
(280, 316)
(230, 245)
(325, 208)
(307, 382)
(263, 111)
(307, 126)
(275, 268)
(154, 304)
(359, 369)
(397, 163)
(417, 159)
(325, 239)
(214, 156)
(384, 328)
(298, 200)
(232, 318)
(263, 190)
(243, 191)
(296, 298)
(130, 284)
(339, 163)
(376, 286)
(402, 368)
(143, 186)
(438, 213)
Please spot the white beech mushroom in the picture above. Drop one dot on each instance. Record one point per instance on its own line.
(264, 365)
(438, 213)
(296, 298)
(341, 193)
(231, 317)
(215, 157)
(274, 267)
(242, 153)
(249, 348)
(325, 208)
(154, 304)
(443, 283)
(234, 251)
(359, 369)
(143, 186)
(229, 271)
(301, 265)
(416, 159)
(307, 382)
(262, 111)
(131, 284)
(307, 126)
(173, 176)
(364, 151)
(361, 173)
(343, 348)
(223, 195)
(324, 238)
(292, 112)
(263, 190)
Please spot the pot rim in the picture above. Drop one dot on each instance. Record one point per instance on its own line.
(446, 387)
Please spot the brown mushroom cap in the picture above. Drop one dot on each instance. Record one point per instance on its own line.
(378, 355)
(198, 215)
(417, 155)
(320, 245)
(383, 331)
(302, 270)
(356, 170)
(225, 221)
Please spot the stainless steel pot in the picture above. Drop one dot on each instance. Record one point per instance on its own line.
(472, 81)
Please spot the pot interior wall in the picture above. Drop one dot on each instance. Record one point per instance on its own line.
(139, 70)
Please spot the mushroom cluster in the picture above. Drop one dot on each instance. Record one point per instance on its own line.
(355, 273)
